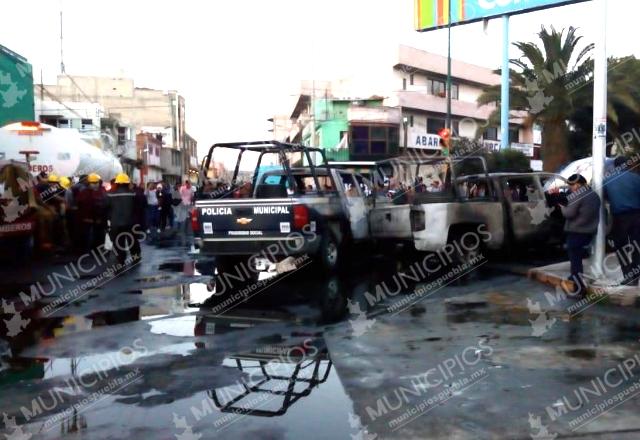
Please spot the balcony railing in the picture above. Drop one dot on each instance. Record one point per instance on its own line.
(337, 154)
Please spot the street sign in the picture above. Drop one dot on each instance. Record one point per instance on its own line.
(434, 14)
(417, 138)
(526, 149)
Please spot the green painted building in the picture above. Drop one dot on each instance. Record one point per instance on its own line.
(16, 88)
(352, 130)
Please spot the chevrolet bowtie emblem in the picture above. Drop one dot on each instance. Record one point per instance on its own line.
(244, 220)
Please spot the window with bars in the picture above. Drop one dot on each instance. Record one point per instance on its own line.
(374, 140)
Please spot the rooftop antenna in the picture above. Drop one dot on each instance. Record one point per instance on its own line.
(62, 70)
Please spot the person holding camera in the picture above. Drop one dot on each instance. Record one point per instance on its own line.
(582, 215)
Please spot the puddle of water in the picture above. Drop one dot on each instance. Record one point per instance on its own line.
(181, 326)
(288, 397)
(187, 268)
(582, 353)
(21, 369)
(153, 279)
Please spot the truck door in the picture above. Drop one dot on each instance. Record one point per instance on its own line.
(526, 206)
(354, 205)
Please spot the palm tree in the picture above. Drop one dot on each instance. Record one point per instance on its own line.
(548, 85)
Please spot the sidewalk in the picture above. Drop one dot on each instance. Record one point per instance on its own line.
(621, 295)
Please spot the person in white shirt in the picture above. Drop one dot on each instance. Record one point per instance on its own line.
(153, 214)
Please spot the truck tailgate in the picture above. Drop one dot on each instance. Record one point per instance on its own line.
(245, 218)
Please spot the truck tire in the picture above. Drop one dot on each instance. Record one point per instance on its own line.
(333, 300)
(231, 265)
(465, 254)
(329, 253)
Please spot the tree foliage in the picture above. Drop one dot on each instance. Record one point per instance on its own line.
(551, 85)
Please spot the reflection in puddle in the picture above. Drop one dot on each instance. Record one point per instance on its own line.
(278, 377)
(180, 326)
(582, 353)
(294, 382)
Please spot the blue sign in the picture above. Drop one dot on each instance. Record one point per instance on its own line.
(433, 14)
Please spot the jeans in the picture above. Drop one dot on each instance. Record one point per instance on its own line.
(186, 234)
(153, 216)
(576, 244)
(166, 216)
(626, 239)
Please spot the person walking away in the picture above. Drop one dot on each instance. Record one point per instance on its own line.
(91, 201)
(153, 214)
(121, 213)
(176, 201)
(53, 197)
(140, 207)
(582, 215)
(164, 201)
(184, 209)
(623, 193)
(67, 220)
(75, 226)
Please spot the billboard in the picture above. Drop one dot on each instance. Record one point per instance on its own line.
(16, 88)
(434, 14)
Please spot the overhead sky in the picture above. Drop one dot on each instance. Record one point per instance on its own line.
(239, 62)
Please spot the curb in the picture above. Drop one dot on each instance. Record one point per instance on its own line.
(617, 295)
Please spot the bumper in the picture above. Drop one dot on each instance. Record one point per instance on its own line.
(249, 246)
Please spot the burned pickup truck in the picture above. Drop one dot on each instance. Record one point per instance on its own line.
(281, 201)
(429, 203)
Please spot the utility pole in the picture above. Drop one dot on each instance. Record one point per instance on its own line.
(41, 94)
(600, 128)
(62, 70)
(312, 139)
(504, 93)
(448, 121)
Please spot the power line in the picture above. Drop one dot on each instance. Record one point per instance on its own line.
(79, 88)
(123, 108)
(55, 98)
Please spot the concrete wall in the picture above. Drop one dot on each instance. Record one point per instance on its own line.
(136, 107)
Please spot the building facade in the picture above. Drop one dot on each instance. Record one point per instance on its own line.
(149, 148)
(401, 105)
(190, 159)
(346, 127)
(137, 110)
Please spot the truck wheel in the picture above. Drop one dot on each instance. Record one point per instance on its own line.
(329, 253)
(236, 267)
(333, 300)
(466, 254)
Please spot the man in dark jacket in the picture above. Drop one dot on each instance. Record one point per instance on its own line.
(91, 215)
(165, 202)
(582, 215)
(623, 192)
(121, 213)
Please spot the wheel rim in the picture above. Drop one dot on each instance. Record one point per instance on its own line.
(469, 256)
(332, 252)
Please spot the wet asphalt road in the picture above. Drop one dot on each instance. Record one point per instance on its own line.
(146, 355)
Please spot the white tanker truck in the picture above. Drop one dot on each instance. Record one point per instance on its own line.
(59, 151)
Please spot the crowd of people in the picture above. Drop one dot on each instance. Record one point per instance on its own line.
(77, 214)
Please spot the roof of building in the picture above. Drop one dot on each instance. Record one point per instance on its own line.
(421, 60)
(12, 54)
